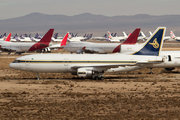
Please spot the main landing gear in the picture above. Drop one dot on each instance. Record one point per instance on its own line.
(98, 76)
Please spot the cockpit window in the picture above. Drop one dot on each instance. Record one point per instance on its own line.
(16, 61)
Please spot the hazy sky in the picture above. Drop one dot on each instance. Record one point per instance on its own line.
(16, 8)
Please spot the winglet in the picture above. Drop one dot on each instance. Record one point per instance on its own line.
(132, 39)
(154, 44)
(8, 37)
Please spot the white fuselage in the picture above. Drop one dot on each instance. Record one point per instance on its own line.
(92, 47)
(71, 62)
(75, 39)
(171, 60)
(16, 46)
(25, 39)
(117, 39)
(89, 47)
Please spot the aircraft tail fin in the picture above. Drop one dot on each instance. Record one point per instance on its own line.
(105, 35)
(47, 37)
(55, 35)
(154, 43)
(25, 35)
(132, 39)
(150, 33)
(15, 36)
(8, 37)
(142, 33)
(63, 42)
(44, 42)
(4, 35)
(115, 35)
(109, 35)
(172, 35)
(125, 35)
(21, 36)
(90, 36)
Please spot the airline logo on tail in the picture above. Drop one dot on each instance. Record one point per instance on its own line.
(155, 44)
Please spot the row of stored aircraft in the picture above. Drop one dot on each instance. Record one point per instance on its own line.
(109, 37)
(142, 36)
(37, 38)
(148, 55)
(74, 47)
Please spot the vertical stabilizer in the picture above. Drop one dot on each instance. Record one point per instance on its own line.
(154, 44)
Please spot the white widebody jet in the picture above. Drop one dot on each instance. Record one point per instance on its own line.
(116, 38)
(21, 47)
(165, 37)
(58, 45)
(89, 47)
(21, 38)
(75, 38)
(93, 65)
(174, 37)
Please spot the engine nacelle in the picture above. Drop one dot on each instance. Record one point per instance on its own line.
(79, 52)
(169, 69)
(84, 72)
(44, 50)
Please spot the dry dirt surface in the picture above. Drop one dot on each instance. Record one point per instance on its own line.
(135, 95)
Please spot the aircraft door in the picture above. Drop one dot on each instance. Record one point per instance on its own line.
(65, 62)
(27, 61)
(167, 58)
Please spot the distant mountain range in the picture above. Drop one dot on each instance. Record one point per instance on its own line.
(88, 23)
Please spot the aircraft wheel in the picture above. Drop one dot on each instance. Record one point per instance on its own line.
(101, 78)
(95, 78)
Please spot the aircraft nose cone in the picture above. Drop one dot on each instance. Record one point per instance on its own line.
(13, 65)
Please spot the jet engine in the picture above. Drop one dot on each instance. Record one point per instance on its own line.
(44, 50)
(84, 72)
(90, 72)
(169, 69)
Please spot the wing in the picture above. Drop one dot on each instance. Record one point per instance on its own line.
(101, 67)
(92, 50)
(9, 49)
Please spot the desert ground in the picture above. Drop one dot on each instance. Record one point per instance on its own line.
(135, 95)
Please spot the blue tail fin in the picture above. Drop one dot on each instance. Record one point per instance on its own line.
(55, 35)
(154, 44)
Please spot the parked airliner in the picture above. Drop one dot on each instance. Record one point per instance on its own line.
(58, 45)
(173, 36)
(21, 47)
(93, 65)
(89, 47)
(116, 38)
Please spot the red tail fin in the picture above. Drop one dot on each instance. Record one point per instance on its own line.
(47, 37)
(8, 37)
(132, 39)
(44, 42)
(63, 42)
